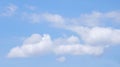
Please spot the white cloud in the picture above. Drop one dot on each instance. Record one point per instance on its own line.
(61, 59)
(93, 35)
(34, 38)
(97, 19)
(72, 46)
(78, 49)
(9, 10)
(37, 44)
(54, 18)
(98, 35)
(92, 19)
(115, 15)
(88, 20)
(67, 40)
(33, 46)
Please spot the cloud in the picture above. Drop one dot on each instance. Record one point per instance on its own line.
(31, 7)
(61, 59)
(94, 41)
(93, 35)
(98, 35)
(115, 15)
(54, 18)
(37, 45)
(92, 19)
(72, 46)
(78, 49)
(33, 18)
(9, 10)
(97, 19)
(34, 45)
(67, 40)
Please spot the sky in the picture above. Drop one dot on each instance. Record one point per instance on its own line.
(60, 33)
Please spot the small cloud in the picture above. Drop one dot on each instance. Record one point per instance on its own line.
(54, 19)
(61, 59)
(32, 17)
(9, 10)
(31, 7)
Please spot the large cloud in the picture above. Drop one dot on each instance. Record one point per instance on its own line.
(93, 35)
(37, 44)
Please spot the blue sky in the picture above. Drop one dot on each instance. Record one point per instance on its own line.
(64, 33)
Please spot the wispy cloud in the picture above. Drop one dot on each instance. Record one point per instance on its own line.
(88, 20)
(9, 10)
(61, 59)
(31, 7)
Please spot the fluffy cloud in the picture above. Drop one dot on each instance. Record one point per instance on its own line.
(72, 46)
(106, 36)
(37, 44)
(98, 35)
(93, 35)
(78, 49)
(34, 45)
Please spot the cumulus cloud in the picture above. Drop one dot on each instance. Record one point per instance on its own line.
(37, 44)
(34, 45)
(72, 46)
(98, 35)
(93, 35)
(95, 41)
